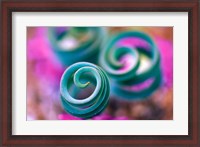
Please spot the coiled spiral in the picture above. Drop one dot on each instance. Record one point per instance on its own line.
(75, 44)
(82, 74)
(129, 81)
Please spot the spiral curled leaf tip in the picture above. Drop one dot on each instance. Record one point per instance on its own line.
(96, 102)
(80, 42)
(125, 75)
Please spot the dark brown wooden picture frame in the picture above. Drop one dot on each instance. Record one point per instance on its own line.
(9, 6)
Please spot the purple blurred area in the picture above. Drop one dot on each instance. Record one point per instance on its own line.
(44, 72)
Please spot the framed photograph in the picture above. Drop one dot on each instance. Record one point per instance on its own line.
(105, 73)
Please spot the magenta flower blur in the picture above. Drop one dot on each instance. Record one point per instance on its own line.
(45, 64)
(67, 117)
(166, 51)
(103, 116)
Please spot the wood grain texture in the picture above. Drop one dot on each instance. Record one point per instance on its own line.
(190, 6)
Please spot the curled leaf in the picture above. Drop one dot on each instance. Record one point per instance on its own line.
(124, 57)
(81, 75)
(75, 44)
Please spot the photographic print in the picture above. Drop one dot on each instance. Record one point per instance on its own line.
(99, 73)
